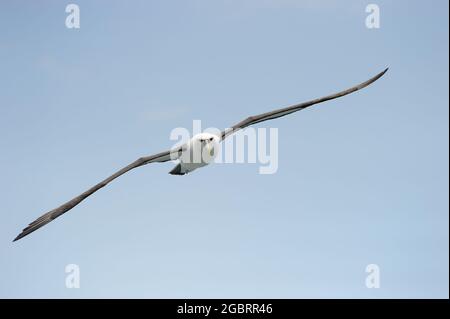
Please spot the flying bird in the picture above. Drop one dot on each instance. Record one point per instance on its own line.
(199, 143)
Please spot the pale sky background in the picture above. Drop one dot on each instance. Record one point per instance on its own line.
(361, 180)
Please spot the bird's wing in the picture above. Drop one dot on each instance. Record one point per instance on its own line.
(55, 213)
(294, 108)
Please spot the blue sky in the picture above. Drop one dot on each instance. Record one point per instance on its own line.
(361, 180)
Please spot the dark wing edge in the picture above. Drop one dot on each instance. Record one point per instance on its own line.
(297, 107)
(55, 213)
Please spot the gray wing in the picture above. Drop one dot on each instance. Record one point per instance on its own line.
(55, 213)
(294, 108)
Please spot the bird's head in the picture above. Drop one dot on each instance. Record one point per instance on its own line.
(208, 144)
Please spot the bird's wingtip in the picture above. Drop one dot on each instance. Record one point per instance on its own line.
(26, 231)
(21, 235)
(382, 72)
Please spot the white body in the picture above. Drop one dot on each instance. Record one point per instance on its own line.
(199, 151)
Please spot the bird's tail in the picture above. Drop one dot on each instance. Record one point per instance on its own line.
(177, 170)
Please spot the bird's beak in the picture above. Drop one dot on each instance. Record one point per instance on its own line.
(211, 149)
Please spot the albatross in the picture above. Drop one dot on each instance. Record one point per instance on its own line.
(198, 143)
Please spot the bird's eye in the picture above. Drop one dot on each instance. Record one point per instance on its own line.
(211, 139)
